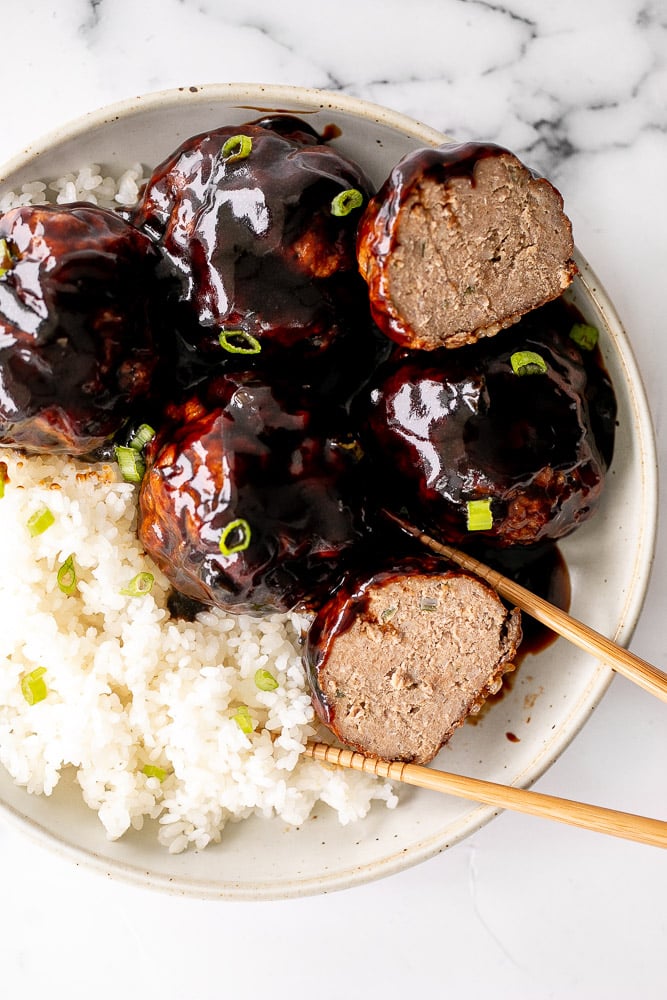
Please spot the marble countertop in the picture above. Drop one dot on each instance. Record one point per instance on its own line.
(523, 908)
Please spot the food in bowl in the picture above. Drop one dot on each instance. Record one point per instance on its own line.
(400, 657)
(520, 428)
(460, 242)
(256, 229)
(78, 307)
(187, 744)
(263, 472)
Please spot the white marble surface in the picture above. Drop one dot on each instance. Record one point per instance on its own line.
(523, 908)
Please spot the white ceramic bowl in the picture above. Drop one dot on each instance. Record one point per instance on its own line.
(553, 693)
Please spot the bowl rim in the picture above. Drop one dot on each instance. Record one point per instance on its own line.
(275, 96)
(204, 93)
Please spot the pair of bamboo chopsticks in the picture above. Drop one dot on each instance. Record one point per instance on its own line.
(619, 824)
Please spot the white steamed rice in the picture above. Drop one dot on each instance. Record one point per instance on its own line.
(128, 686)
(87, 184)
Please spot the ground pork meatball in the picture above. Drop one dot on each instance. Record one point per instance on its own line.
(251, 500)
(398, 658)
(259, 226)
(506, 441)
(76, 343)
(459, 243)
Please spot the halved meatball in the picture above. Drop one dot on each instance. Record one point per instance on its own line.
(397, 659)
(459, 243)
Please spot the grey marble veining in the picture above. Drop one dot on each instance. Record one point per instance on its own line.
(523, 908)
(550, 84)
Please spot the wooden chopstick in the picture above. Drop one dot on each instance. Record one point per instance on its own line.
(619, 659)
(642, 829)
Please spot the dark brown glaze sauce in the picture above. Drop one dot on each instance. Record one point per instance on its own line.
(252, 239)
(77, 319)
(258, 236)
(444, 428)
(267, 454)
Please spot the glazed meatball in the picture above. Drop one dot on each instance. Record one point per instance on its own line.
(506, 441)
(459, 243)
(250, 499)
(398, 657)
(259, 225)
(76, 344)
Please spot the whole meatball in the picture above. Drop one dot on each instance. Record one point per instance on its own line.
(259, 225)
(250, 501)
(76, 345)
(507, 440)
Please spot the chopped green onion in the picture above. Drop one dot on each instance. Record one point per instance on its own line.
(38, 522)
(153, 771)
(346, 202)
(139, 585)
(353, 447)
(6, 259)
(237, 147)
(145, 433)
(243, 720)
(247, 343)
(528, 363)
(480, 517)
(428, 604)
(67, 576)
(3, 478)
(240, 527)
(33, 686)
(584, 336)
(388, 614)
(131, 464)
(265, 680)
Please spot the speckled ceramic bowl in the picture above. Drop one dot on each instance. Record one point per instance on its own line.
(553, 693)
